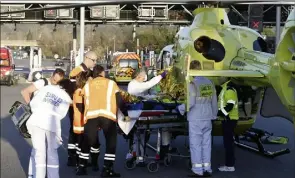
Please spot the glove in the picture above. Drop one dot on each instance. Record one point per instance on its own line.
(164, 74)
(220, 113)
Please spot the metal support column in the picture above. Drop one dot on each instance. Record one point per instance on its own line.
(278, 25)
(39, 58)
(31, 57)
(82, 27)
(73, 63)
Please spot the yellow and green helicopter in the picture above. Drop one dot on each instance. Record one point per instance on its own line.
(239, 53)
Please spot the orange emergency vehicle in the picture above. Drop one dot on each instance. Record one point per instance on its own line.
(7, 66)
(124, 65)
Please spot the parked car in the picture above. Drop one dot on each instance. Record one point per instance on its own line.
(59, 63)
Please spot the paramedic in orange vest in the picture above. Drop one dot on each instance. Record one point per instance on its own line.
(102, 101)
(78, 105)
(90, 59)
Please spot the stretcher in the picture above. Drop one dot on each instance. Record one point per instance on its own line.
(146, 118)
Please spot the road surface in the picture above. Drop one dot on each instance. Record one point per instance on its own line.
(15, 152)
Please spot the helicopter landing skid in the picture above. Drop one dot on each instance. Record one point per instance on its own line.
(256, 135)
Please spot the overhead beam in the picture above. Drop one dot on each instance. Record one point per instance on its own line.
(97, 21)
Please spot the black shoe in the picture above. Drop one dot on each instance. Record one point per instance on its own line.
(207, 174)
(81, 171)
(109, 173)
(71, 162)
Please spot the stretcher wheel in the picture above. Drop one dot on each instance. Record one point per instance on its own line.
(153, 166)
(130, 164)
(167, 160)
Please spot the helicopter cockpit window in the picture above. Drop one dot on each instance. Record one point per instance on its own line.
(124, 63)
(210, 48)
(260, 45)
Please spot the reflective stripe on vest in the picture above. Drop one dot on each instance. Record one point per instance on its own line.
(79, 129)
(221, 100)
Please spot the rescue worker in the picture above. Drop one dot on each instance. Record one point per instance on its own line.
(139, 85)
(228, 110)
(78, 105)
(90, 60)
(202, 110)
(48, 108)
(33, 89)
(102, 100)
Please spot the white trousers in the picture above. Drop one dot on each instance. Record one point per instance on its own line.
(45, 144)
(200, 145)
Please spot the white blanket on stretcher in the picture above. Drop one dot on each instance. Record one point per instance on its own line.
(126, 126)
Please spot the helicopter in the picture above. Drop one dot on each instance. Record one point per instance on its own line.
(239, 53)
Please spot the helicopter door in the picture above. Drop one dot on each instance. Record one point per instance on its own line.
(272, 106)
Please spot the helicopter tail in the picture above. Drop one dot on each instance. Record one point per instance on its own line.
(282, 73)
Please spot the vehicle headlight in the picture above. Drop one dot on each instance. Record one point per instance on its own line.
(7, 73)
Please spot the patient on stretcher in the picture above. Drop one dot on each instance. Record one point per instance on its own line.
(148, 106)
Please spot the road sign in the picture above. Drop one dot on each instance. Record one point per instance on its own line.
(58, 13)
(256, 17)
(105, 12)
(159, 12)
(17, 8)
(256, 23)
(4, 8)
(13, 7)
(50, 14)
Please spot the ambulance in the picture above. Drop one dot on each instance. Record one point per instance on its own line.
(124, 65)
(7, 66)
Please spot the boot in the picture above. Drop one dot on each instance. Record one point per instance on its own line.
(94, 160)
(77, 161)
(71, 161)
(81, 170)
(109, 172)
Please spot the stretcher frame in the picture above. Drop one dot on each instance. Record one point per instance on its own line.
(144, 127)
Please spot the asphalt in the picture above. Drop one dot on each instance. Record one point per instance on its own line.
(15, 151)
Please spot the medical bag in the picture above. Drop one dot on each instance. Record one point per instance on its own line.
(20, 113)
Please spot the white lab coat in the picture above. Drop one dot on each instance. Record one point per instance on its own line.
(48, 107)
(140, 88)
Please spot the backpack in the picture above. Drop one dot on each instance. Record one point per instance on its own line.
(45, 84)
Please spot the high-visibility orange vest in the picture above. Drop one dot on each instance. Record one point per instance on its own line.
(78, 124)
(77, 70)
(100, 98)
